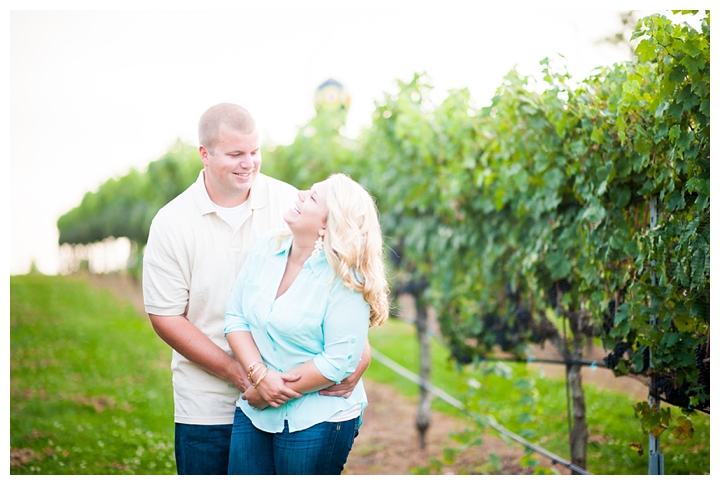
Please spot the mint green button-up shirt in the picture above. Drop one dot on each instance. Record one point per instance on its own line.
(317, 318)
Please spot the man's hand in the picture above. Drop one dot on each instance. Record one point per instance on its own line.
(346, 387)
(252, 396)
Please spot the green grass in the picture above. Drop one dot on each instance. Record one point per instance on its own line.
(91, 393)
(90, 384)
(611, 421)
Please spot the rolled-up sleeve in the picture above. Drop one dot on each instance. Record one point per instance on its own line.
(345, 330)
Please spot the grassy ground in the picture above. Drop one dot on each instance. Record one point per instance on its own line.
(89, 383)
(90, 391)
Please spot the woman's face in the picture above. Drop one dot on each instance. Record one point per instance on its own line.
(307, 216)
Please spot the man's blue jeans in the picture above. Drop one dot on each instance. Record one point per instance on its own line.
(319, 450)
(202, 450)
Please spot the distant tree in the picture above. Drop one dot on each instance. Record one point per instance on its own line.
(125, 206)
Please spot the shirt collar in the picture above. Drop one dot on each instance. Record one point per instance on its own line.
(318, 264)
(284, 245)
(257, 199)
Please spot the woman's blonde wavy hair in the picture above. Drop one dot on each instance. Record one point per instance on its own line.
(354, 244)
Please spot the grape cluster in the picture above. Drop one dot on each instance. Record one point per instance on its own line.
(609, 318)
(680, 394)
(555, 292)
(461, 354)
(617, 354)
(543, 330)
(675, 394)
(499, 328)
(522, 320)
(507, 332)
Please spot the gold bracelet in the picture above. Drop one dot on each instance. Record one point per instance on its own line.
(255, 371)
(261, 378)
(251, 369)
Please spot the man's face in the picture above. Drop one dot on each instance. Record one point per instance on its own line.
(231, 166)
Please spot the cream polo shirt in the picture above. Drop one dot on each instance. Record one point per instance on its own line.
(191, 261)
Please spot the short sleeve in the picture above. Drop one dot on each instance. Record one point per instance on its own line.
(165, 284)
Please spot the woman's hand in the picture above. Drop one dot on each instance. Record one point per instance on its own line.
(273, 390)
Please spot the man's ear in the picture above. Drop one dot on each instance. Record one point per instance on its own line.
(203, 155)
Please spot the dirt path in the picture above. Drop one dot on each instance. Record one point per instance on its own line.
(388, 443)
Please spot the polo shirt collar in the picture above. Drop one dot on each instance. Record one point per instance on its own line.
(258, 198)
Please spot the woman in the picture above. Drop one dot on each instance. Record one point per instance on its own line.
(297, 320)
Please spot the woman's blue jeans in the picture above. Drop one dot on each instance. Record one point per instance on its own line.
(319, 450)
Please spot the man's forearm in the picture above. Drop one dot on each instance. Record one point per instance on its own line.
(180, 334)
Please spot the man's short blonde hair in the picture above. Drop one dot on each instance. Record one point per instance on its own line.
(226, 115)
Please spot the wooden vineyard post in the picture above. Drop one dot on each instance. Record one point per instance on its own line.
(422, 418)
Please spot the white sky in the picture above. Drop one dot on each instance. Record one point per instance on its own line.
(96, 92)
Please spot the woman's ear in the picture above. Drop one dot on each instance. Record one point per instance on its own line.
(322, 231)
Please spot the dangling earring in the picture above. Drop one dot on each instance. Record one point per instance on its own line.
(318, 247)
(319, 244)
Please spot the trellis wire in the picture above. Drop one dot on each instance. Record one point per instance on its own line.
(592, 364)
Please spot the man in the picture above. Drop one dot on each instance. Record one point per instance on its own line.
(195, 249)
